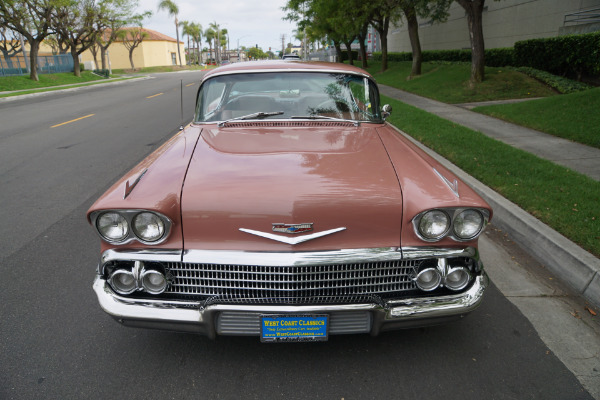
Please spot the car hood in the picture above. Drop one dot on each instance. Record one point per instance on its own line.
(253, 175)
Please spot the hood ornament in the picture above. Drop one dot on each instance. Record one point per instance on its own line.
(292, 228)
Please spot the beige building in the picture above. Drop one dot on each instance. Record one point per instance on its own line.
(156, 49)
(504, 23)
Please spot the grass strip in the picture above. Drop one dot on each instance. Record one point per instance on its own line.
(449, 82)
(22, 82)
(563, 199)
(574, 116)
(51, 89)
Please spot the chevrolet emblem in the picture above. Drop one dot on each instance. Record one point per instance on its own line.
(293, 228)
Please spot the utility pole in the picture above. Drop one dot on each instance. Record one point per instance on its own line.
(282, 45)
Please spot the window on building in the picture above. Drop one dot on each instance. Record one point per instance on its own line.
(174, 58)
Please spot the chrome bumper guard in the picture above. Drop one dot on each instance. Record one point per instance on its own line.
(193, 317)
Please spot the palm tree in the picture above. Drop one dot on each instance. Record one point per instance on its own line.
(217, 33)
(173, 10)
(186, 29)
(196, 30)
(209, 36)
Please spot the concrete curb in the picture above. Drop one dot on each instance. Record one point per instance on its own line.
(565, 259)
(71, 89)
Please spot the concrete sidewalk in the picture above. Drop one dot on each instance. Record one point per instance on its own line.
(573, 265)
(578, 157)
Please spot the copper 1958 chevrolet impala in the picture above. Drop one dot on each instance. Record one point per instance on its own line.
(289, 210)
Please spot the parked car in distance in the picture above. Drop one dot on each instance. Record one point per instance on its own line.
(291, 56)
(291, 211)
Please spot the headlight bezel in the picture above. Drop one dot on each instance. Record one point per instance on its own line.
(453, 213)
(129, 215)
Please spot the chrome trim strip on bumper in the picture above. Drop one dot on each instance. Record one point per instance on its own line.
(190, 316)
(231, 257)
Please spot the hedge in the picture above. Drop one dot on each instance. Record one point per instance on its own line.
(571, 55)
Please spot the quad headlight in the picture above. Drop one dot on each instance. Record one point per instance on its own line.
(112, 226)
(148, 226)
(434, 224)
(461, 224)
(123, 226)
(468, 224)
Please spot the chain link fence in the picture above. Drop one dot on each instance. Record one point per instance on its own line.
(19, 65)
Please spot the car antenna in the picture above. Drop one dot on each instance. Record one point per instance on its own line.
(181, 104)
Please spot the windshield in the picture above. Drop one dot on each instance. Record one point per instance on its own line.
(287, 95)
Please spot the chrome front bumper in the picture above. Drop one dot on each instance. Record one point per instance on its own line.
(193, 317)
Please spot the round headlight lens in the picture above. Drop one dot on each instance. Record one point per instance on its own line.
(434, 224)
(468, 224)
(148, 226)
(428, 279)
(123, 281)
(154, 282)
(457, 278)
(112, 226)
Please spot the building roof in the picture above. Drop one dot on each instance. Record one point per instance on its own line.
(152, 35)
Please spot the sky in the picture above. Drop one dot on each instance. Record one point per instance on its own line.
(251, 22)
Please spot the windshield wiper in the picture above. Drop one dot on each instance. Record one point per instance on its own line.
(256, 115)
(356, 123)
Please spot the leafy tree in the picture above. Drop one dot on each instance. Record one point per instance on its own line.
(172, 10)
(117, 15)
(382, 13)
(10, 45)
(32, 19)
(132, 38)
(78, 24)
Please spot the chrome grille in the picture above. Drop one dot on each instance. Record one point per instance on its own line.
(337, 283)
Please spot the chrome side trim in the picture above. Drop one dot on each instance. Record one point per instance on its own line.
(292, 240)
(286, 258)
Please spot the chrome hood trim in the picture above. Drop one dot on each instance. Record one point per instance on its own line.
(292, 240)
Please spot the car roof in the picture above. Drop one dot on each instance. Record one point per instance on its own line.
(285, 66)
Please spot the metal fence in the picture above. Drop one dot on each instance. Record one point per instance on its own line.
(18, 65)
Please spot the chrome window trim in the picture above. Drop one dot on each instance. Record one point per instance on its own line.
(283, 69)
(129, 214)
(231, 257)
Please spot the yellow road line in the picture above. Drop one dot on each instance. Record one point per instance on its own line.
(73, 120)
(149, 97)
(190, 84)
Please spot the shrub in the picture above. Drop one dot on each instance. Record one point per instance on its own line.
(102, 72)
(493, 57)
(345, 55)
(563, 85)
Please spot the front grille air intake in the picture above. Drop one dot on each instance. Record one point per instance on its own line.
(337, 283)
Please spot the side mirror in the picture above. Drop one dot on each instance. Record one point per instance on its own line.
(386, 110)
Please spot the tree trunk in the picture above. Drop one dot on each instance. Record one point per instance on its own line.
(76, 69)
(338, 51)
(33, 55)
(349, 51)
(415, 43)
(362, 36)
(103, 57)
(177, 34)
(474, 9)
(131, 58)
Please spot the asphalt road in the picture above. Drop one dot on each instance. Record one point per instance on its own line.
(56, 343)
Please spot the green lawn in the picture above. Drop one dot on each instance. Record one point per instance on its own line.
(565, 200)
(8, 83)
(574, 116)
(449, 82)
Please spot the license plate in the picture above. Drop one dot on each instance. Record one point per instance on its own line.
(294, 327)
